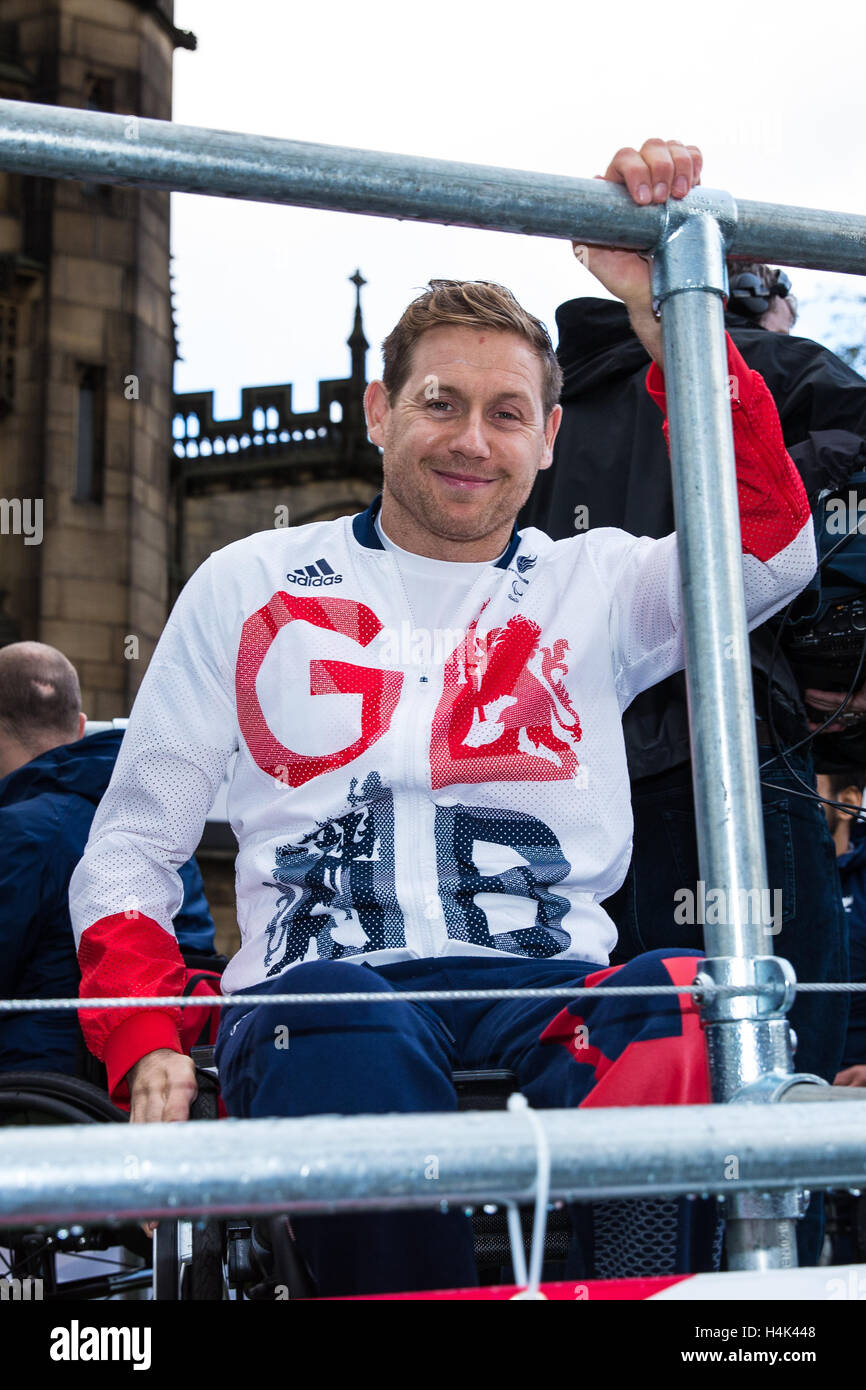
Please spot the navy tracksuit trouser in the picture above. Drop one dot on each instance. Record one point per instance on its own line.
(350, 1059)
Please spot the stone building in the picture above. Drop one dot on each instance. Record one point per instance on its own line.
(112, 490)
(271, 466)
(87, 353)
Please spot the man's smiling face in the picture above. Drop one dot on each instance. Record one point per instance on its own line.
(463, 440)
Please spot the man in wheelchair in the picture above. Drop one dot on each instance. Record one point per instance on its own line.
(430, 788)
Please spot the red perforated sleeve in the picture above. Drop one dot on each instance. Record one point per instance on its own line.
(119, 957)
(773, 503)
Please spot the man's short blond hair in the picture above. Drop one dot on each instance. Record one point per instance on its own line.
(469, 304)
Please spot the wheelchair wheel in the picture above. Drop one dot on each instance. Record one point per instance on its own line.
(188, 1262)
(50, 1098)
(203, 1278)
(42, 1097)
(189, 1255)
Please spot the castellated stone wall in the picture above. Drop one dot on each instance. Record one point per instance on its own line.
(213, 521)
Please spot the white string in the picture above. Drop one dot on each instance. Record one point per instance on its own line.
(518, 1102)
(515, 1240)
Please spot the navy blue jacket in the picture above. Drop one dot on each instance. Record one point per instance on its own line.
(46, 809)
(852, 871)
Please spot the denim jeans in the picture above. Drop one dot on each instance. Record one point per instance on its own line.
(801, 863)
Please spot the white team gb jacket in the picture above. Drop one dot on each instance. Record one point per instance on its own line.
(477, 802)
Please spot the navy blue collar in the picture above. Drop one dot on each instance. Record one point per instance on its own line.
(363, 526)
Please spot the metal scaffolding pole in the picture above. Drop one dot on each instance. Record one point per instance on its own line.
(65, 143)
(98, 1173)
(744, 1044)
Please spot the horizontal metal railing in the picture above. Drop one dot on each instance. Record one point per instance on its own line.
(66, 143)
(341, 1163)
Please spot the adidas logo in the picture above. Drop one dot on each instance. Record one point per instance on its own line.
(314, 576)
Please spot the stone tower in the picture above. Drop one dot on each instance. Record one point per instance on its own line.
(86, 356)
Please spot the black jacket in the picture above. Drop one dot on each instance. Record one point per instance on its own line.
(611, 458)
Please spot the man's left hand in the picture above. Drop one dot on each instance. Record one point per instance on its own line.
(661, 169)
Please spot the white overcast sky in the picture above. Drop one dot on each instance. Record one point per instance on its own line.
(772, 93)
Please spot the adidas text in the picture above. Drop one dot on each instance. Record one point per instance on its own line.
(314, 576)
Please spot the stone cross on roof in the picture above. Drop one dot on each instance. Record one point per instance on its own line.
(356, 340)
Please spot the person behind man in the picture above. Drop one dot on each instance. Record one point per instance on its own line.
(612, 469)
(439, 814)
(843, 782)
(763, 295)
(51, 781)
(848, 828)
